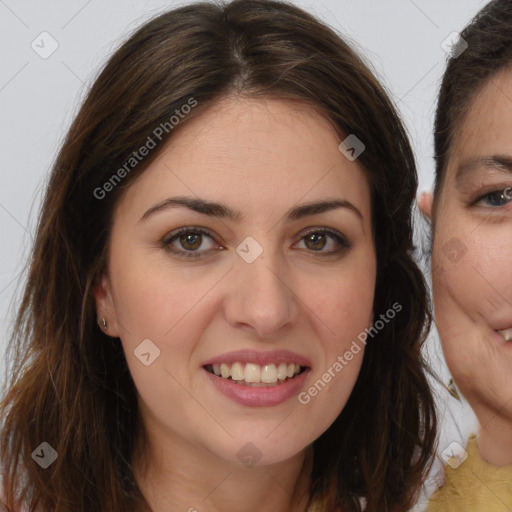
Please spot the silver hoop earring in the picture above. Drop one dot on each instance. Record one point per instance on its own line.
(104, 323)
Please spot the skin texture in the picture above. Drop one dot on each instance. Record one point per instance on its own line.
(472, 270)
(261, 157)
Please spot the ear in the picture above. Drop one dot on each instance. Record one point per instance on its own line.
(105, 307)
(425, 204)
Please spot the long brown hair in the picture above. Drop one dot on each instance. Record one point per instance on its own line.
(70, 385)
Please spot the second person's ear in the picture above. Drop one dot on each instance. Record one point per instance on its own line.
(425, 204)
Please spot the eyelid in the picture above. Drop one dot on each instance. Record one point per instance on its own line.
(186, 229)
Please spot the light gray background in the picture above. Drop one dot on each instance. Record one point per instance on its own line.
(38, 97)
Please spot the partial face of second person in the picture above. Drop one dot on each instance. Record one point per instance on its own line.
(302, 300)
(472, 263)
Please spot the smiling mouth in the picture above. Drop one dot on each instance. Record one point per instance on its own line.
(255, 375)
(506, 334)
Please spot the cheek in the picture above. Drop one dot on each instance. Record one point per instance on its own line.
(472, 272)
(163, 314)
(170, 308)
(342, 299)
(471, 282)
(346, 307)
(493, 269)
(458, 303)
(152, 299)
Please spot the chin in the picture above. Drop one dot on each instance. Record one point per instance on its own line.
(257, 450)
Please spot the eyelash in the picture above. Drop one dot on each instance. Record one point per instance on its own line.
(167, 241)
(504, 193)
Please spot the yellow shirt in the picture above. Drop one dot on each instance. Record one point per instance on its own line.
(474, 486)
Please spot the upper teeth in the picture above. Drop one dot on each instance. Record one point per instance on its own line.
(268, 373)
(507, 334)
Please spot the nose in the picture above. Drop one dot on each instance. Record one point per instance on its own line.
(260, 299)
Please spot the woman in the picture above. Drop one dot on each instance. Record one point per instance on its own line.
(222, 312)
(471, 216)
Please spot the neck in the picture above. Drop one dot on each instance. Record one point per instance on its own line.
(188, 478)
(495, 438)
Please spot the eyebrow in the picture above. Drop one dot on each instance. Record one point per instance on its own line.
(502, 163)
(219, 210)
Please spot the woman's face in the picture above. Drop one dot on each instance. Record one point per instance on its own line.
(224, 281)
(472, 254)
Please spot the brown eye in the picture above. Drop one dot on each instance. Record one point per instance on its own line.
(190, 242)
(315, 241)
(320, 239)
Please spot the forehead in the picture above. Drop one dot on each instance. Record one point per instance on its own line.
(487, 126)
(254, 154)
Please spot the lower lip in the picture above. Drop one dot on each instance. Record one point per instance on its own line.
(259, 396)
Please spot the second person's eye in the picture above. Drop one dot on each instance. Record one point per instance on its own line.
(497, 198)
